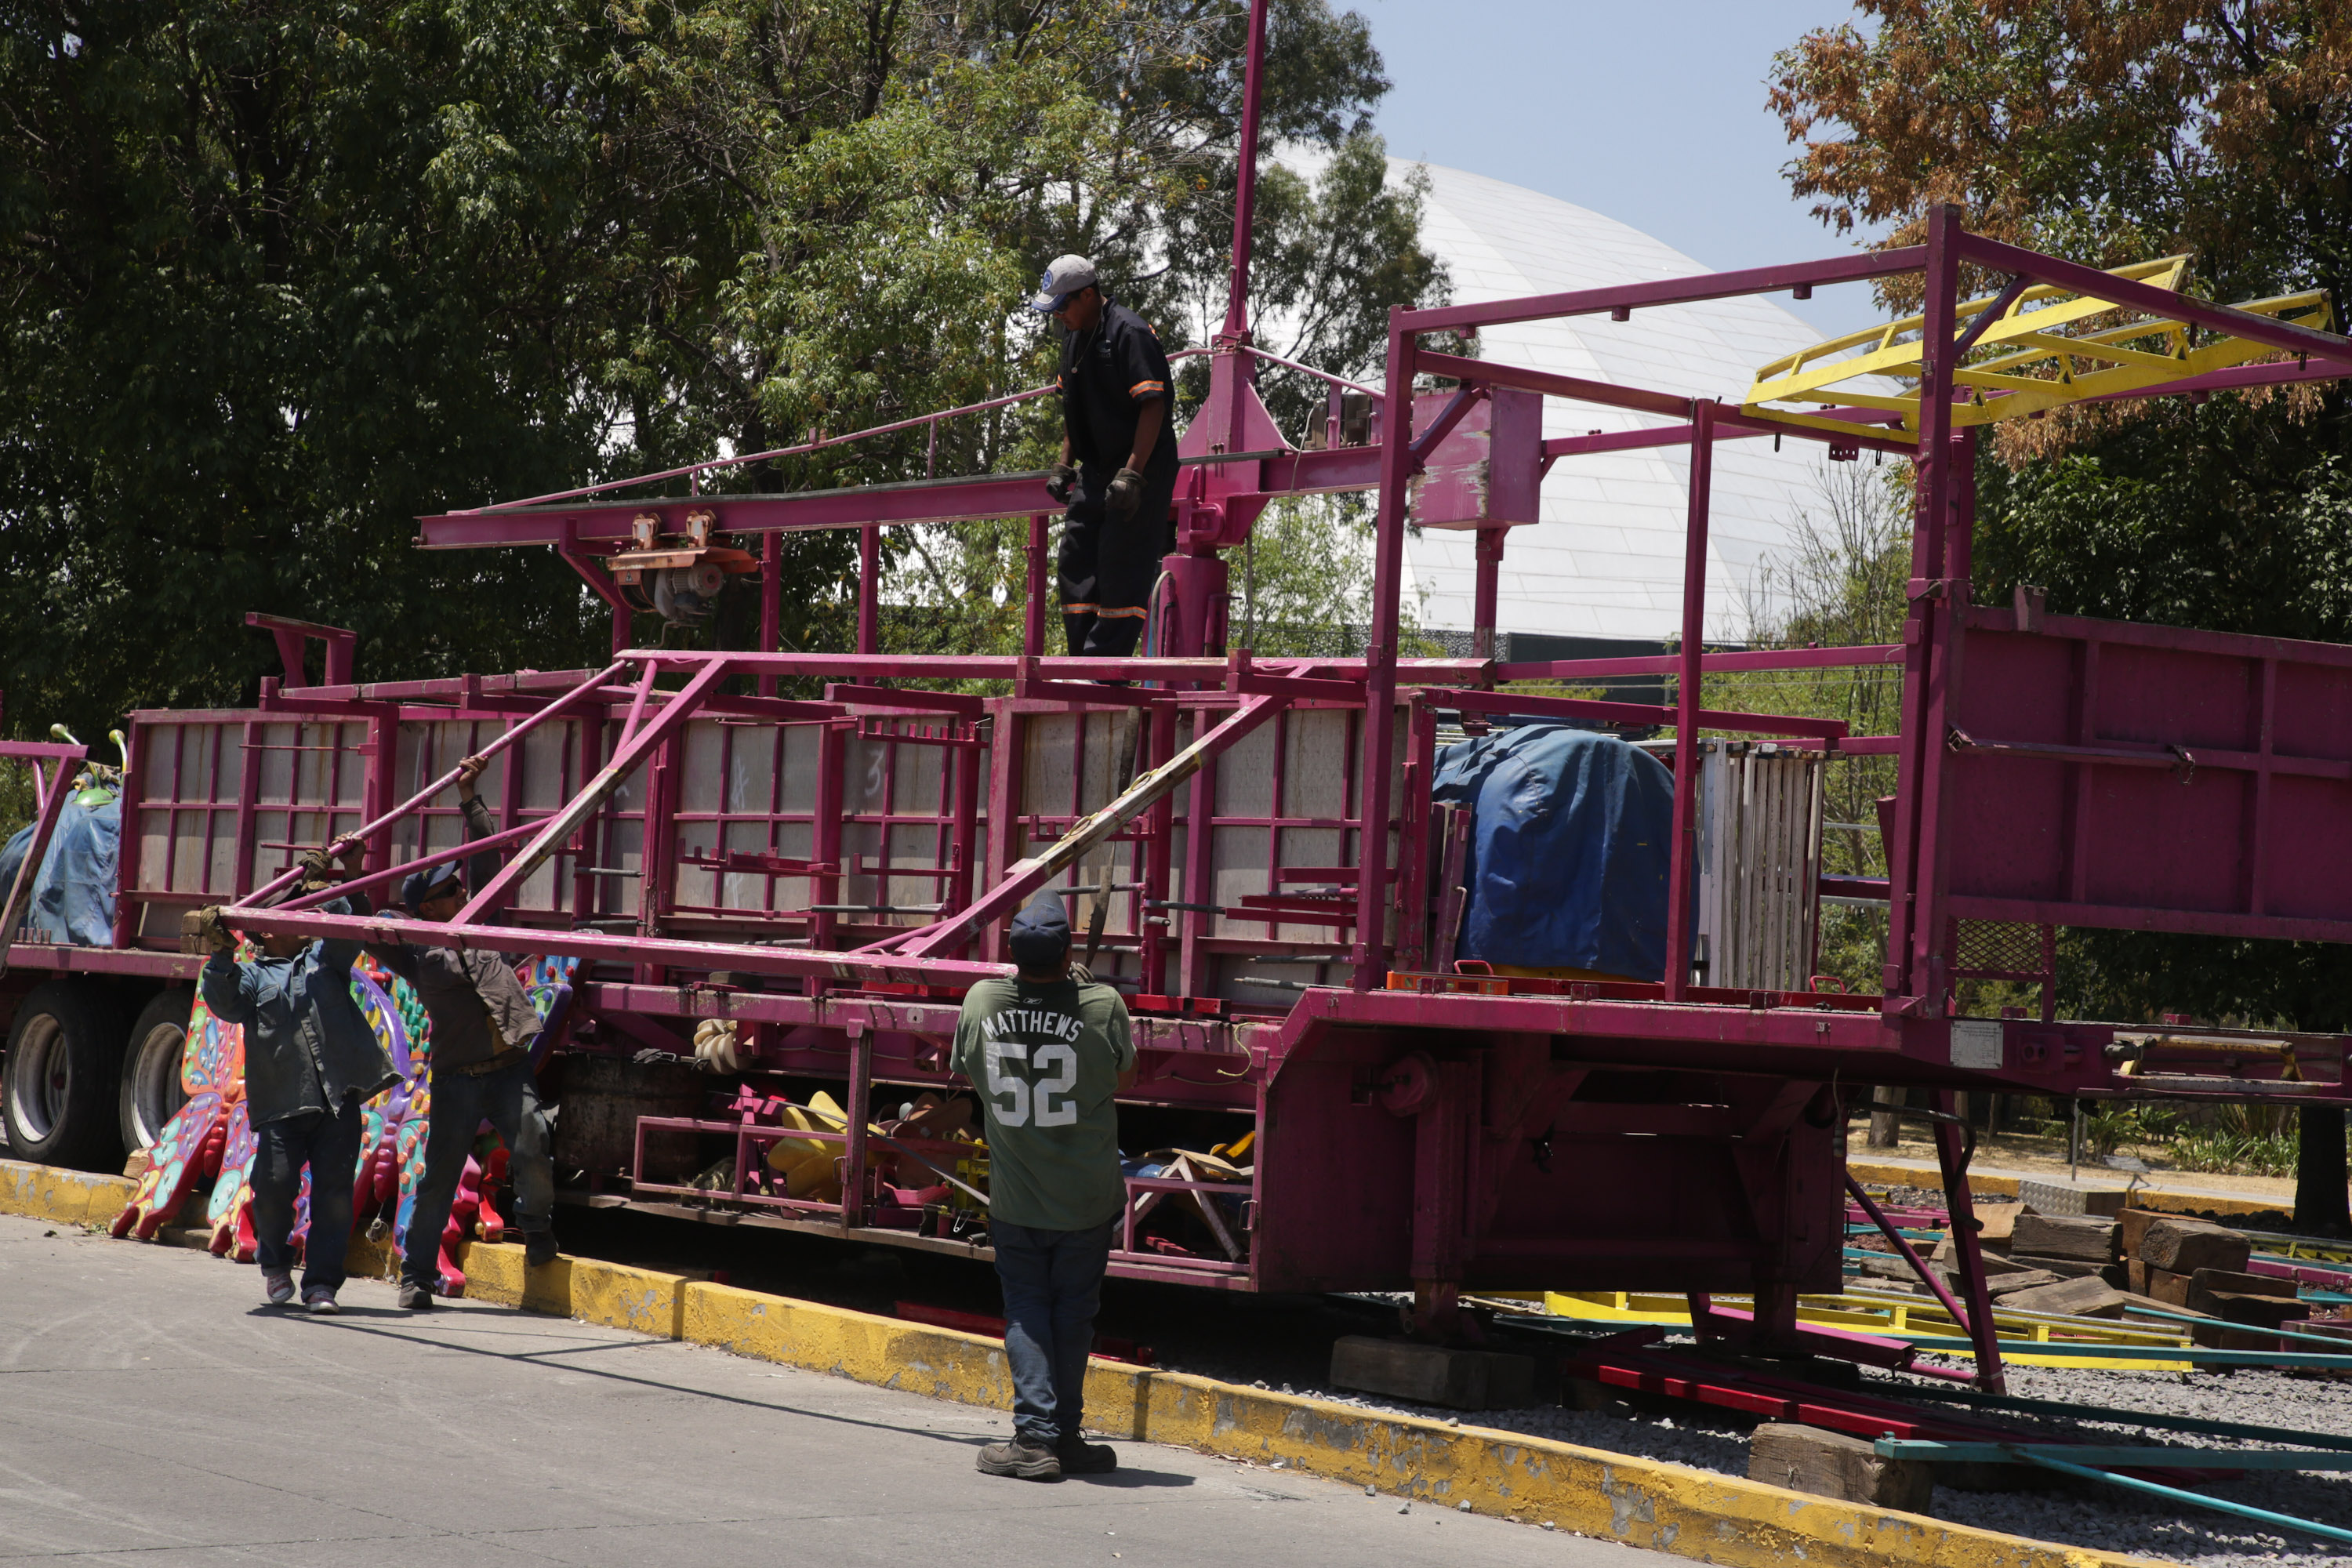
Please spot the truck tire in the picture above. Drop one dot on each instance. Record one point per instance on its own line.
(57, 1094)
(152, 1094)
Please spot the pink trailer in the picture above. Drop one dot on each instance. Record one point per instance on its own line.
(1276, 890)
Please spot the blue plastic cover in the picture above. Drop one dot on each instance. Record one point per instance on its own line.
(73, 894)
(1571, 833)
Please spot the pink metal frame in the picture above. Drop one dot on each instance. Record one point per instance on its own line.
(1418, 1126)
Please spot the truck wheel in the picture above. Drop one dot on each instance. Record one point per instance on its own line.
(58, 1093)
(152, 1094)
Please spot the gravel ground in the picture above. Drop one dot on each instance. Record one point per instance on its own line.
(2105, 1517)
(1284, 1343)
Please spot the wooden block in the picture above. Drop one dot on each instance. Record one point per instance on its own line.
(2185, 1246)
(1831, 1464)
(2001, 1287)
(2239, 1306)
(2136, 1277)
(2063, 1235)
(1433, 1375)
(2065, 1268)
(2169, 1288)
(2131, 1229)
(2084, 1298)
(2118, 1276)
(2334, 1328)
(2246, 1284)
(1997, 1221)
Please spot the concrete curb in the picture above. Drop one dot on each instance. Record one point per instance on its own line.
(1639, 1502)
(2006, 1187)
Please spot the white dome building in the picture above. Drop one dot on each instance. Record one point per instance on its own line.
(1606, 562)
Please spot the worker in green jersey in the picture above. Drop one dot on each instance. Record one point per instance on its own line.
(1047, 1049)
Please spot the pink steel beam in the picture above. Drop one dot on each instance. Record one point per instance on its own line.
(585, 691)
(1711, 663)
(585, 804)
(1682, 888)
(1608, 395)
(391, 874)
(1640, 713)
(1245, 190)
(591, 947)
(53, 804)
(1023, 877)
(1670, 291)
(1369, 949)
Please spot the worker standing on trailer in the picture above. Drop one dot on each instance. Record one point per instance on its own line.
(310, 1062)
(1115, 529)
(1047, 1049)
(483, 1025)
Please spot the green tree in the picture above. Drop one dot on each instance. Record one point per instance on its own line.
(2108, 134)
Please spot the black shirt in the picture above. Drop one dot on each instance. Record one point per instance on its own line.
(1108, 372)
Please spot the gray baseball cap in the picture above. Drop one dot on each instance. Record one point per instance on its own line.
(1066, 277)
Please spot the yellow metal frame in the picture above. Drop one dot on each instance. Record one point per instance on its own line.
(2025, 362)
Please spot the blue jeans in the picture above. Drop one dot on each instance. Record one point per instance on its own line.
(509, 1100)
(1053, 1286)
(329, 1146)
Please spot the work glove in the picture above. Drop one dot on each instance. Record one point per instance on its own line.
(1061, 482)
(217, 936)
(1125, 494)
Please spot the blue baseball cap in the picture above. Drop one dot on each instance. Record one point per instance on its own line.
(1041, 934)
(419, 886)
(1066, 277)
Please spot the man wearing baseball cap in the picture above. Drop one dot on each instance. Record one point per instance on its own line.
(1114, 386)
(483, 1026)
(1048, 1048)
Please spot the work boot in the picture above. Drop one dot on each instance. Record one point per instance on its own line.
(537, 1248)
(1080, 1457)
(1031, 1461)
(276, 1286)
(414, 1298)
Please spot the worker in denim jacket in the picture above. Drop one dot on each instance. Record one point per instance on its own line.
(311, 1061)
(483, 1026)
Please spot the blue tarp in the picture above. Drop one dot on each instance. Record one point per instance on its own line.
(1571, 837)
(73, 895)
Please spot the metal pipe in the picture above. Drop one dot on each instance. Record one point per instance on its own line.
(1911, 1256)
(1681, 890)
(393, 873)
(1245, 182)
(1381, 657)
(2178, 1494)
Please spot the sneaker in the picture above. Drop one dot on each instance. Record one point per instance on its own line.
(276, 1286)
(1080, 1457)
(537, 1248)
(321, 1300)
(414, 1298)
(1029, 1461)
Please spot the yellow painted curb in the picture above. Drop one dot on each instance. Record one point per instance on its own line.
(65, 1197)
(1668, 1507)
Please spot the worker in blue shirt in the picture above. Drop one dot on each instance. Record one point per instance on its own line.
(310, 1062)
(1119, 494)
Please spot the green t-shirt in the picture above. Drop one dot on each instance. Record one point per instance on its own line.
(1046, 1059)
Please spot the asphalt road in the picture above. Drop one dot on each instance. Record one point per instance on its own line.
(151, 1413)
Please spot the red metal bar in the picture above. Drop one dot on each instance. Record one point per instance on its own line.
(1670, 291)
(1367, 950)
(1026, 876)
(1607, 394)
(1507, 702)
(1246, 189)
(771, 604)
(1709, 663)
(1032, 614)
(582, 807)
(1682, 884)
(1490, 571)
(1909, 1254)
(1950, 1155)
(394, 873)
(869, 590)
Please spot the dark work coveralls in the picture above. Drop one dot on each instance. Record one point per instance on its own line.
(1107, 568)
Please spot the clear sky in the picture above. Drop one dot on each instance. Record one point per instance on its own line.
(1649, 111)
